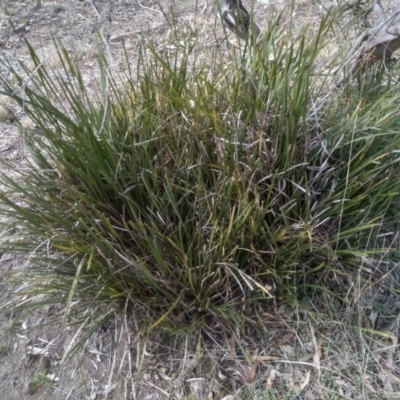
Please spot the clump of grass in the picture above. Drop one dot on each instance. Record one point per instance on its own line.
(4, 115)
(188, 197)
(39, 382)
(3, 351)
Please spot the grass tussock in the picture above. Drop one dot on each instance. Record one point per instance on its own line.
(198, 193)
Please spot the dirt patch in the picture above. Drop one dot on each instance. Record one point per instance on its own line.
(32, 345)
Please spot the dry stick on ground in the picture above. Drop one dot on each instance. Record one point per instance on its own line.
(237, 19)
(126, 34)
(378, 43)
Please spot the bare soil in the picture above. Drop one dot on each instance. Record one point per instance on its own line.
(296, 358)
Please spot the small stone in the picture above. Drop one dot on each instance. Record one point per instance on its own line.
(152, 396)
(200, 388)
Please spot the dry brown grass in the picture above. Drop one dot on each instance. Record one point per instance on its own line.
(322, 351)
